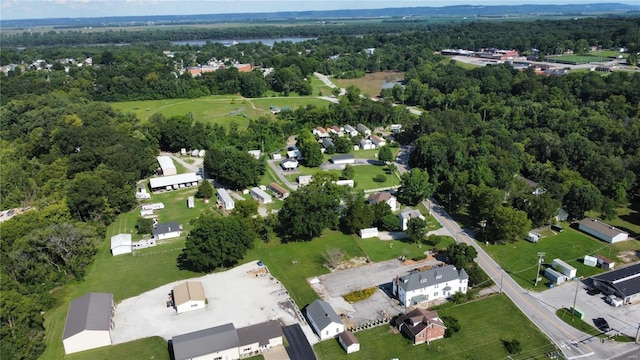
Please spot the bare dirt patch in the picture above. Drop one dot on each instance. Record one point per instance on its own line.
(627, 256)
(352, 263)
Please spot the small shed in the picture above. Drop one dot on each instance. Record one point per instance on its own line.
(349, 342)
(555, 277)
(566, 269)
(191, 202)
(533, 237)
(188, 296)
(225, 200)
(591, 261)
(276, 156)
(605, 263)
(255, 153)
(261, 195)
(348, 182)
(278, 190)
(121, 244)
(369, 233)
(201, 153)
(305, 179)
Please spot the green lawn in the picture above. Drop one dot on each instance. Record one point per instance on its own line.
(520, 259)
(480, 337)
(380, 250)
(363, 177)
(223, 109)
(148, 348)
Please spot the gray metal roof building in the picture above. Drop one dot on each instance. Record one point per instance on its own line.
(205, 342)
(261, 333)
(438, 275)
(166, 228)
(624, 282)
(90, 313)
(322, 314)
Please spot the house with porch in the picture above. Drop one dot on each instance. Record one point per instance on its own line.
(428, 285)
(421, 326)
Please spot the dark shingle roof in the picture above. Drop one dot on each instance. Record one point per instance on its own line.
(322, 314)
(89, 312)
(438, 275)
(205, 341)
(166, 228)
(626, 279)
(348, 338)
(260, 333)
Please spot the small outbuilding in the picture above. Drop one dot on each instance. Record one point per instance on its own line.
(369, 233)
(188, 296)
(602, 230)
(121, 244)
(605, 262)
(533, 237)
(305, 179)
(324, 320)
(591, 261)
(89, 323)
(407, 215)
(347, 182)
(166, 165)
(279, 191)
(555, 277)
(349, 342)
(363, 129)
(191, 202)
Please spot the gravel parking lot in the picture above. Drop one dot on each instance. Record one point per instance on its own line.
(235, 296)
(623, 319)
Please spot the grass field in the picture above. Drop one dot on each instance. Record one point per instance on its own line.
(480, 337)
(363, 176)
(155, 348)
(520, 259)
(577, 59)
(222, 110)
(370, 84)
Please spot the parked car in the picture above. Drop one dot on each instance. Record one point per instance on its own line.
(602, 324)
(613, 300)
(593, 291)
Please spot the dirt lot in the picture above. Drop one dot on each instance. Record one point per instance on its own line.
(244, 295)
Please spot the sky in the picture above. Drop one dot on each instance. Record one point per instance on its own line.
(40, 9)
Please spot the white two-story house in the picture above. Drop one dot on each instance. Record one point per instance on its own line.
(433, 284)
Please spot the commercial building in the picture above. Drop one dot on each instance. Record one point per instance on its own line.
(623, 283)
(602, 231)
(89, 323)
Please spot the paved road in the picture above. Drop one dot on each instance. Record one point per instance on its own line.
(299, 347)
(573, 343)
(274, 166)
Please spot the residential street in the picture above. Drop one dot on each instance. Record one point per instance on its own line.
(573, 343)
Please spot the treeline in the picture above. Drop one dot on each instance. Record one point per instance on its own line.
(76, 163)
(577, 136)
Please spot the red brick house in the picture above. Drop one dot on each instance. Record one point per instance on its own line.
(421, 326)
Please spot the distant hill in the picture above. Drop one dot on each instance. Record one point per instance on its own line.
(407, 12)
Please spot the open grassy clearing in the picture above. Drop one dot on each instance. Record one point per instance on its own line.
(520, 259)
(363, 177)
(220, 109)
(578, 59)
(380, 250)
(480, 337)
(370, 84)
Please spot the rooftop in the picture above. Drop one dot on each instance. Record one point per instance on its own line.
(188, 291)
(164, 181)
(626, 279)
(437, 275)
(322, 314)
(166, 228)
(205, 342)
(90, 312)
(601, 227)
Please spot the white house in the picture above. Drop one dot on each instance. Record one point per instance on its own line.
(602, 231)
(564, 268)
(349, 342)
(226, 342)
(377, 141)
(563, 215)
(407, 215)
(363, 129)
(188, 296)
(395, 128)
(366, 144)
(142, 194)
(350, 130)
(166, 165)
(305, 179)
(89, 323)
(261, 195)
(167, 231)
(201, 153)
(324, 321)
(385, 197)
(428, 285)
(343, 159)
(289, 164)
(369, 233)
(121, 244)
(224, 199)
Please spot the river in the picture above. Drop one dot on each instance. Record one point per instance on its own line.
(228, 42)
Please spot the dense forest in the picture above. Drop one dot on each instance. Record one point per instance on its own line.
(75, 161)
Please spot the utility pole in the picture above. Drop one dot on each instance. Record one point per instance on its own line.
(540, 255)
(575, 297)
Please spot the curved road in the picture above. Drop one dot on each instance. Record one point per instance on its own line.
(573, 343)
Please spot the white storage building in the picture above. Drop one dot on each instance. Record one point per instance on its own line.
(591, 261)
(324, 320)
(343, 159)
(166, 165)
(349, 342)
(566, 269)
(89, 323)
(121, 244)
(188, 296)
(363, 129)
(261, 195)
(602, 231)
(369, 233)
(225, 200)
(174, 182)
(305, 179)
(555, 277)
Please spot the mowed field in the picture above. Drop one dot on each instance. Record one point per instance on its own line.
(216, 109)
(370, 84)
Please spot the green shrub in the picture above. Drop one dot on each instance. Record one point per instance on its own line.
(420, 257)
(360, 295)
(513, 346)
(380, 178)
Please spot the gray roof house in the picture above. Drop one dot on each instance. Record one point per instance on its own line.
(327, 142)
(436, 283)
(324, 320)
(408, 214)
(227, 342)
(167, 230)
(89, 322)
